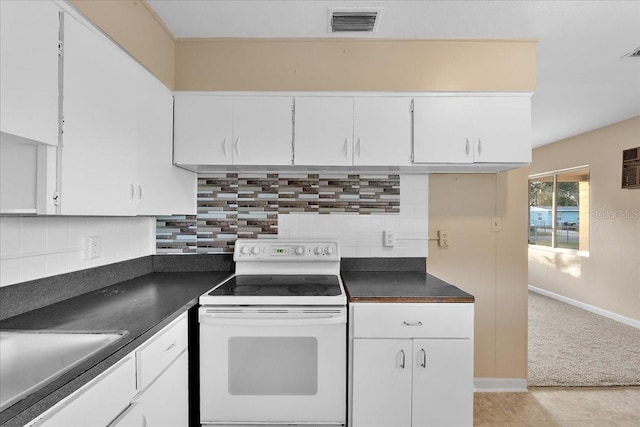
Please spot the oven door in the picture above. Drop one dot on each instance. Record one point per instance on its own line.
(277, 365)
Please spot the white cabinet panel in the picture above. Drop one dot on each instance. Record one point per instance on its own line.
(324, 131)
(100, 401)
(472, 129)
(442, 130)
(442, 382)
(243, 130)
(203, 129)
(503, 130)
(262, 130)
(382, 131)
(381, 383)
(117, 135)
(99, 152)
(402, 379)
(163, 189)
(29, 69)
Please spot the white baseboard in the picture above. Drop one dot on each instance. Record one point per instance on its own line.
(588, 307)
(500, 385)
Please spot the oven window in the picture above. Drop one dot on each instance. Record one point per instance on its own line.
(275, 366)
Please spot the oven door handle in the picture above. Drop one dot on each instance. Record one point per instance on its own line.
(210, 319)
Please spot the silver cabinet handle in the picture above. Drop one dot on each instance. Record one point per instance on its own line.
(467, 147)
(224, 146)
(479, 146)
(173, 344)
(412, 323)
(424, 358)
(358, 147)
(344, 147)
(238, 146)
(402, 359)
(139, 191)
(132, 192)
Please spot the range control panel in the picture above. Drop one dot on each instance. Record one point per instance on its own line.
(285, 250)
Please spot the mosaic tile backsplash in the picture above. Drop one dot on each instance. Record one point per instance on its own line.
(236, 205)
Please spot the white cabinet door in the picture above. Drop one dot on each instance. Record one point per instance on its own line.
(324, 131)
(469, 129)
(164, 403)
(382, 131)
(502, 129)
(381, 383)
(203, 129)
(262, 130)
(442, 382)
(99, 402)
(29, 69)
(163, 189)
(99, 164)
(442, 130)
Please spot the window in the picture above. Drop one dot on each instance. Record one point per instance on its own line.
(559, 209)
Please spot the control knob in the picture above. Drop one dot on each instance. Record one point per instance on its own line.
(255, 250)
(318, 250)
(244, 250)
(299, 250)
(328, 250)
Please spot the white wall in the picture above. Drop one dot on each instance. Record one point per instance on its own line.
(361, 235)
(36, 247)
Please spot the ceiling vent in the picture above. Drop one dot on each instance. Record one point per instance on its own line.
(354, 20)
(633, 54)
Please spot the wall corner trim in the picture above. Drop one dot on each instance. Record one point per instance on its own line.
(500, 385)
(588, 307)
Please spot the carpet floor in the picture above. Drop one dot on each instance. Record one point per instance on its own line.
(571, 347)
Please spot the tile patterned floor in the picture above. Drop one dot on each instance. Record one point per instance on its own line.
(562, 407)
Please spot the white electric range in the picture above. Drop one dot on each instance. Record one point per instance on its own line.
(273, 337)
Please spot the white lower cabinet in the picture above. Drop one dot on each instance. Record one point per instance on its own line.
(407, 374)
(99, 401)
(149, 387)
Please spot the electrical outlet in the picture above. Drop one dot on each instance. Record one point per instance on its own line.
(92, 247)
(388, 238)
(443, 239)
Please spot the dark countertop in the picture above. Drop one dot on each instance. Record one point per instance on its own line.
(401, 286)
(142, 306)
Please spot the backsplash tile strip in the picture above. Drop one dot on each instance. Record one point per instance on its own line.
(232, 206)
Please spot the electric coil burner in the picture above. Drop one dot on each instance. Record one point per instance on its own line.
(273, 337)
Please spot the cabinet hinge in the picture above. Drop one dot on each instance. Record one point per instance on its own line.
(59, 47)
(56, 199)
(412, 105)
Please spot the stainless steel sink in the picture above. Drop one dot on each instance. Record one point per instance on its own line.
(31, 359)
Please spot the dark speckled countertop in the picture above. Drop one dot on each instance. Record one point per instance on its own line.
(141, 306)
(401, 286)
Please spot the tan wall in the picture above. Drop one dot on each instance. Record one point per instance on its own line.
(609, 277)
(133, 25)
(490, 265)
(354, 65)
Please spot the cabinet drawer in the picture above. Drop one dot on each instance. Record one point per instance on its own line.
(442, 320)
(158, 353)
(100, 401)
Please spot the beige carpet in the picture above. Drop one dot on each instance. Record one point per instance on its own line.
(569, 346)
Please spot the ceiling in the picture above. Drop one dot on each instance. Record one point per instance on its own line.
(583, 82)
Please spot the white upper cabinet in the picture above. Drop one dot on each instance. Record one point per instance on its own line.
(117, 134)
(99, 152)
(323, 131)
(203, 130)
(242, 130)
(472, 129)
(29, 70)
(382, 131)
(163, 189)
